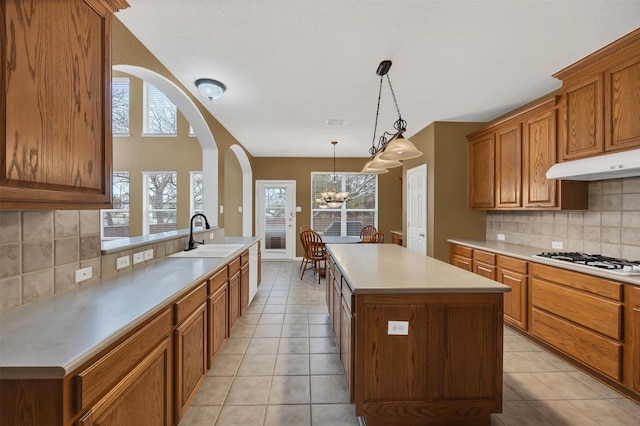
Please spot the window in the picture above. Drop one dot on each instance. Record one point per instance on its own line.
(196, 191)
(160, 114)
(120, 106)
(360, 210)
(159, 210)
(114, 222)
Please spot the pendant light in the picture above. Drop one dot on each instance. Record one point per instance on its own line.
(389, 153)
(333, 198)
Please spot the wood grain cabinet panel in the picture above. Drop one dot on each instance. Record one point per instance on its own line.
(244, 288)
(635, 339)
(481, 185)
(513, 272)
(218, 321)
(484, 264)
(582, 118)
(336, 310)
(539, 154)
(461, 257)
(509, 166)
(622, 107)
(234, 300)
(55, 104)
(143, 397)
(346, 345)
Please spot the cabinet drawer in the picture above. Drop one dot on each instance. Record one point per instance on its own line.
(234, 266)
(189, 303)
(598, 352)
(244, 258)
(347, 296)
(636, 296)
(513, 264)
(590, 283)
(102, 375)
(484, 257)
(582, 308)
(461, 250)
(218, 279)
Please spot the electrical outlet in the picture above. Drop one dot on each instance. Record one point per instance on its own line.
(221, 209)
(398, 328)
(211, 236)
(84, 274)
(558, 245)
(122, 262)
(148, 254)
(138, 257)
(500, 237)
(239, 209)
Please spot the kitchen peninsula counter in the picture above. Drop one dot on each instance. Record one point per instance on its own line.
(420, 340)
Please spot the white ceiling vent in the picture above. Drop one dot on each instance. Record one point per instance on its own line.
(335, 122)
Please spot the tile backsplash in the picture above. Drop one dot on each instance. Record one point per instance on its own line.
(41, 250)
(610, 227)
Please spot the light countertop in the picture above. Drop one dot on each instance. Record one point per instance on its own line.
(389, 268)
(52, 337)
(527, 252)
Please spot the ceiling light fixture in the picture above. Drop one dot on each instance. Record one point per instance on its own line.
(210, 89)
(333, 198)
(391, 148)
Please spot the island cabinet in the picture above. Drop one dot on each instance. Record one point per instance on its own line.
(234, 293)
(580, 315)
(218, 304)
(600, 104)
(55, 104)
(244, 281)
(190, 316)
(508, 161)
(420, 340)
(514, 273)
(129, 384)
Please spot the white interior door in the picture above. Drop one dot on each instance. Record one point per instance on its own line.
(417, 209)
(276, 218)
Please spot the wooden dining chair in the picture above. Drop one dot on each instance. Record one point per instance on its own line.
(315, 256)
(378, 237)
(300, 231)
(367, 233)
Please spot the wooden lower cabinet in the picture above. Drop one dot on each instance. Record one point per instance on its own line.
(347, 333)
(234, 300)
(461, 256)
(513, 272)
(337, 308)
(635, 339)
(190, 348)
(143, 397)
(484, 264)
(218, 325)
(244, 288)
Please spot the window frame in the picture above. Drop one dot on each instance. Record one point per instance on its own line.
(146, 210)
(145, 113)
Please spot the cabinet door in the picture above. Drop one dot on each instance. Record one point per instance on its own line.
(636, 346)
(143, 397)
(234, 300)
(55, 105)
(244, 288)
(622, 107)
(218, 326)
(191, 358)
(582, 120)
(335, 316)
(515, 302)
(462, 262)
(509, 166)
(540, 148)
(484, 270)
(481, 172)
(346, 346)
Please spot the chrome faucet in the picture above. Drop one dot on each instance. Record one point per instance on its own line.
(192, 242)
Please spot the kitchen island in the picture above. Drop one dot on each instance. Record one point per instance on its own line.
(420, 340)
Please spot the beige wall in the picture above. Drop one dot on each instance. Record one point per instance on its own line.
(136, 154)
(444, 145)
(299, 169)
(232, 195)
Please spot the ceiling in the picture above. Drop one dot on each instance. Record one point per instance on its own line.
(289, 66)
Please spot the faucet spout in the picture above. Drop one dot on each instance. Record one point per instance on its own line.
(192, 242)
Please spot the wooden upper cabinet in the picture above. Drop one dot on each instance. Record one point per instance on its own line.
(539, 154)
(55, 104)
(601, 101)
(482, 172)
(509, 166)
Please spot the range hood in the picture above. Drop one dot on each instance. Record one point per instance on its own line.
(608, 166)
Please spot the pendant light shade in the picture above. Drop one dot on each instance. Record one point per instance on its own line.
(400, 149)
(380, 163)
(333, 198)
(367, 170)
(210, 89)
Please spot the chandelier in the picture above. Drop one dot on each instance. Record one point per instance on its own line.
(333, 198)
(391, 148)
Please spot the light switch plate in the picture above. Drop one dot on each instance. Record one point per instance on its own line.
(138, 257)
(558, 245)
(221, 209)
(84, 274)
(298, 209)
(148, 254)
(122, 262)
(400, 328)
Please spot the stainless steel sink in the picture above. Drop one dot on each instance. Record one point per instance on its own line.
(209, 250)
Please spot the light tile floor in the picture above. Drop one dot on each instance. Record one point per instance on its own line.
(281, 367)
